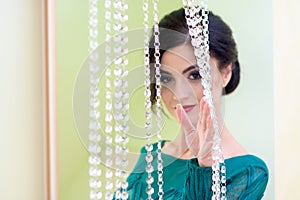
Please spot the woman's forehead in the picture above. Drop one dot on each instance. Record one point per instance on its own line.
(183, 52)
(178, 58)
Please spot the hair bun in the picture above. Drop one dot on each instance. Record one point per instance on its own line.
(235, 78)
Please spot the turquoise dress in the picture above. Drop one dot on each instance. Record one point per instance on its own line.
(246, 178)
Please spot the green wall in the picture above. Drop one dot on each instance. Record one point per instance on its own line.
(248, 111)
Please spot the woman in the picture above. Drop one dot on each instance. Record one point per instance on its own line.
(187, 159)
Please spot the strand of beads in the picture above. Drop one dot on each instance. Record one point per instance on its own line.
(121, 97)
(108, 104)
(148, 113)
(197, 20)
(147, 93)
(94, 124)
(157, 66)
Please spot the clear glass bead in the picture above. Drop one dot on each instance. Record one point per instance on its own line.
(108, 106)
(108, 85)
(94, 114)
(223, 179)
(107, 4)
(107, 28)
(108, 174)
(108, 151)
(118, 94)
(94, 136)
(109, 185)
(94, 79)
(150, 180)
(118, 160)
(107, 15)
(94, 125)
(94, 102)
(223, 169)
(94, 160)
(124, 81)
(149, 147)
(118, 105)
(118, 149)
(149, 191)
(94, 148)
(125, 96)
(124, 185)
(95, 183)
(223, 189)
(149, 169)
(95, 171)
(118, 71)
(147, 93)
(108, 162)
(124, 195)
(94, 91)
(149, 158)
(108, 117)
(118, 193)
(108, 128)
(118, 83)
(148, 104)
(145, 6)
(108, 196)
(108, 95)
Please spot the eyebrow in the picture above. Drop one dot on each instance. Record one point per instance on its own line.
(189, 68)
(183, 72)
(165, 72)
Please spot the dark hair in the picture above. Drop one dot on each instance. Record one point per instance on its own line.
(174, 32)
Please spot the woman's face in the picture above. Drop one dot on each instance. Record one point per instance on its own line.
(181, 82)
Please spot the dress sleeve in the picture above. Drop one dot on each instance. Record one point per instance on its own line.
(136, 184)
(246, 179)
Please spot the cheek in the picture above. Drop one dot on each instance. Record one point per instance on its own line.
(166, 95)
(168, 99)
(198, 90)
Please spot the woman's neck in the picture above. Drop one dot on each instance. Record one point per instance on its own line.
(178, 147)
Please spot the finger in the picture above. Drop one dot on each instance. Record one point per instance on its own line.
(184, 120)
(200, 112)
(204, 114)
(201, 107)
(210, 130)
(191, 134)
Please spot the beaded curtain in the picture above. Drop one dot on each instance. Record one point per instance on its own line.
(107, 144)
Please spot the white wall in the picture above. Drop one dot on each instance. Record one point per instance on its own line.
(249, 110)
(21, 125)
(287, 98)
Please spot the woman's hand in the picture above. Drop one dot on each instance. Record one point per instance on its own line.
(199, 139)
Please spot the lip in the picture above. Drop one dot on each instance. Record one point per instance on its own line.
(188, 108)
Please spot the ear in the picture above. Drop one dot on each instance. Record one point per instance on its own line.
(226, 74)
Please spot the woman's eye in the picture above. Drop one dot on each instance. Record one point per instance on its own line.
(194, 75)
(165, 79)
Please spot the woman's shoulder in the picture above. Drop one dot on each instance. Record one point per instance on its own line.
(245, 162)
(246, 159)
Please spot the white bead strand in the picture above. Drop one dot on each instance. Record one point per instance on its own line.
(94, 147)
(157, 66)
(148, 104)
(108, 104)
(197, 21)
(121, 105)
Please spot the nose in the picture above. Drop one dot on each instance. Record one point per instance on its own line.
(182, 90)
